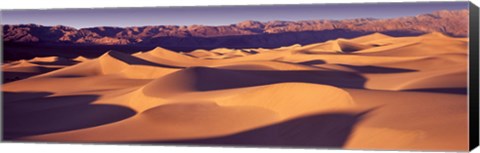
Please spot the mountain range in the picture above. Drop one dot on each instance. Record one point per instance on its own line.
(244, 34)
(26, 41)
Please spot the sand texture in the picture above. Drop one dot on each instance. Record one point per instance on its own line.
(371, 92)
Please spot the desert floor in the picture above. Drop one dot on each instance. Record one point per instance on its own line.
(370, 92)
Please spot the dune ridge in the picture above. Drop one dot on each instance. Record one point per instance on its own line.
(371, 92)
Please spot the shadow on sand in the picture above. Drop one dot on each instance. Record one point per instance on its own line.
(207, 79)
(362, 69)
(14, 76)
(42, 115)
(377, 69)
(319, 130)
(461, 91)
(63, 63)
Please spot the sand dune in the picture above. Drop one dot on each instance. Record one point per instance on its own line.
(47, 59)
(425, 45)
(167, 57)
(201, 53)
(371, 92)
(334, 46)
(22, 69)
(371, 38)
(80, 59)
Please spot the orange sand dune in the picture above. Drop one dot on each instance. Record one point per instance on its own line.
(335, 46)
(369, 92)
(81, 59)
(27, 68)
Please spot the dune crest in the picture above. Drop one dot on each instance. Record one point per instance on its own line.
(371, 92)
(371, 37)
(80, 59)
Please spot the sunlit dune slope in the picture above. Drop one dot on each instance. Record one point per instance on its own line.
(371, 92)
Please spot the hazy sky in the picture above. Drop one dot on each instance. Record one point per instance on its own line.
(124, 17)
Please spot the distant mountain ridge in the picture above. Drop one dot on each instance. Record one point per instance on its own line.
(244, 34)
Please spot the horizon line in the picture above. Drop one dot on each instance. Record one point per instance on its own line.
(219, 25)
